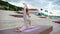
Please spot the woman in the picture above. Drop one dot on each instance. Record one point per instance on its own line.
(26, 16)
(27, 22)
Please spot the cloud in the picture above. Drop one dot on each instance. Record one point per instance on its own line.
(39, 4)
(46, 4)
(57, 2)
(15, 1)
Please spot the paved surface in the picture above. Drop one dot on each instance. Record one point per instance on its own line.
(7, 22)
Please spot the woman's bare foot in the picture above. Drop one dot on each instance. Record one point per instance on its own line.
(19, 29)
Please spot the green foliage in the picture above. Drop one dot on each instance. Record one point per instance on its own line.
(8, 6)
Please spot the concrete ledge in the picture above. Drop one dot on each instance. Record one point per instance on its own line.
(19, 16)
(56, 22)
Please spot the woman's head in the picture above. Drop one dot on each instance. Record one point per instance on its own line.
(26, 9)
(27, 12)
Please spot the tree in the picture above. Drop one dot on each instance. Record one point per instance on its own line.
(8, 6)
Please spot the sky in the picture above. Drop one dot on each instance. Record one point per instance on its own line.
(45, 4)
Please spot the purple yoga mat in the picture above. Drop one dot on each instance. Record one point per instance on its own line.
(31, 29)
